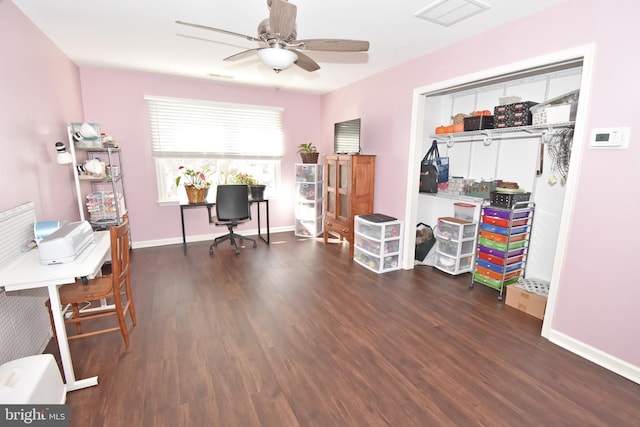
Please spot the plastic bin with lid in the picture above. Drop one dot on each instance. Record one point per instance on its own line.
(455, 229)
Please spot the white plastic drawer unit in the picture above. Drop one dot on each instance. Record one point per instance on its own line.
(455, 245)
(378, 245)
(309, 200)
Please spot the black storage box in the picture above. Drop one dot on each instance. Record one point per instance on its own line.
(507, 200)
(478, 123)
(513, 115)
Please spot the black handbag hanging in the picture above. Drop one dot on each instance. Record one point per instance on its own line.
(433, 170)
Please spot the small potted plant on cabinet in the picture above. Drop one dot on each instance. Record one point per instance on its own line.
(308, 152)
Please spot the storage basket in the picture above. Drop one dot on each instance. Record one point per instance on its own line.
(309, 157)
(507, 200)
(480, 189)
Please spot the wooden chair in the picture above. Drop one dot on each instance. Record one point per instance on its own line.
(114, 287)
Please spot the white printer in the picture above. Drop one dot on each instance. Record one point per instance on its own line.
(66, 243)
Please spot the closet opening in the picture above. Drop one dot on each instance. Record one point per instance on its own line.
(522, 156)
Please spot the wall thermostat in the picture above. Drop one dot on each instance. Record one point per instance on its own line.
(610, 138)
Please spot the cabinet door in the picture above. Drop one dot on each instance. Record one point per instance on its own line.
(362, 184)
(330, 192)
(343, 208)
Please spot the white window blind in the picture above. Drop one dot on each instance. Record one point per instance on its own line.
(205, 129)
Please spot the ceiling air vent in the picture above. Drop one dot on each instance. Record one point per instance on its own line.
(449, 12)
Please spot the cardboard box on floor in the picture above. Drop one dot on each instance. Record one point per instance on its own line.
(528, 302)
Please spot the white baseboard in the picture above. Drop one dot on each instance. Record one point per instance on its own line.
(204, 237)
(596, 356)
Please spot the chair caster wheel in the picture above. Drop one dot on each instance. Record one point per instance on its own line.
(255, 245)
(210, 251)
(241, 240)
(237, 252)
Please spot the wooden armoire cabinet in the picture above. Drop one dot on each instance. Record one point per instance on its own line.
(349, 184)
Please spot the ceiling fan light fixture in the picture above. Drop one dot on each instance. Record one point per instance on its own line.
(277, 58)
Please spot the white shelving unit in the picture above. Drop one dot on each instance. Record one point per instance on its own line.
(455, 245)
(309, 208)
(510, 133)
(378, 245)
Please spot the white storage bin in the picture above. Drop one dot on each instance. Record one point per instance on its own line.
(464, 211)
(453, 248)
(309, 228)
(308, 192)
(455, 229)
(369, 245)
(309, 210)
(32, 380)
(367, 260)
(453, 265)
(308, 172)
(379, 230)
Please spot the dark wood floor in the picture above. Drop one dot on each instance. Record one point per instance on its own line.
(295, 334)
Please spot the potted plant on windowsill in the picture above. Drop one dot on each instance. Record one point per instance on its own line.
(196, 183)
(308, 152)
(256, 190)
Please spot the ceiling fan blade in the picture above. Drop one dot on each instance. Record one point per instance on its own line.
(241, 55)
(204, 27)
(305, 62)
(334, 45)
(282, 18)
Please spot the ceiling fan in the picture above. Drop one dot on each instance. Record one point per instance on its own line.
(278, 33)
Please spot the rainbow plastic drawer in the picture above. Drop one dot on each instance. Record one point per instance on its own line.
(499, 253)
(498, 268)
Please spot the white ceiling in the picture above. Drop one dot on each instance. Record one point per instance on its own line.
(142, 35)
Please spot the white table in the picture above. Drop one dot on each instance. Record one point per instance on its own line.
(26, 272)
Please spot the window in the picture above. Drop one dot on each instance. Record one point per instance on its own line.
(228, 138)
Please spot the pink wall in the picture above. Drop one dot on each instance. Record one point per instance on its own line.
(39, 94)
(598, 297)
(115, 99)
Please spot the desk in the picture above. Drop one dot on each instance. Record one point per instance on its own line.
(209, 205)
(26, 272)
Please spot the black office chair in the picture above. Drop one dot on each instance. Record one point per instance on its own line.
(232, 208)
